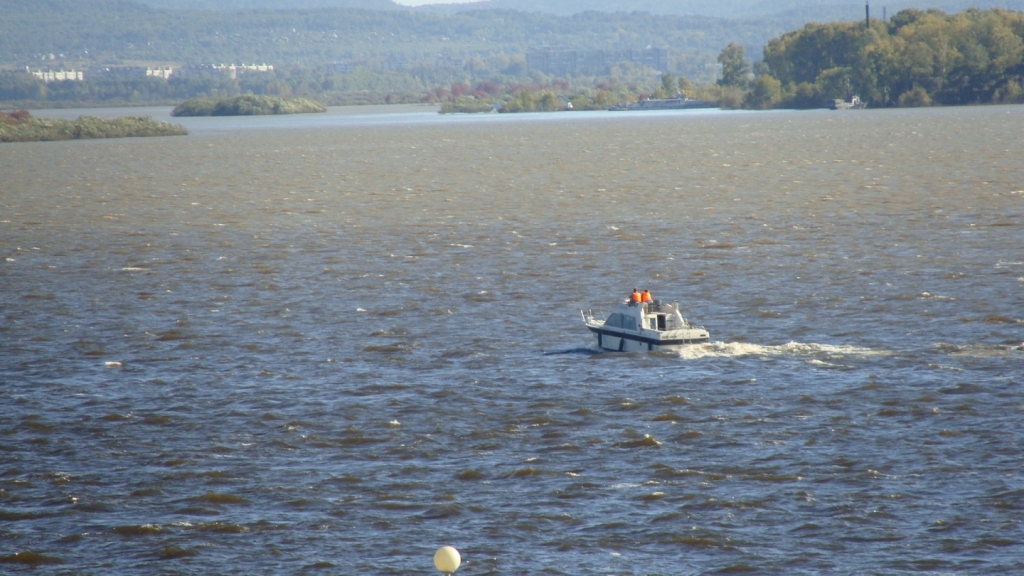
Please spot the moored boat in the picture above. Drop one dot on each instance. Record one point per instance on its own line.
(644, 326)
(852, 102)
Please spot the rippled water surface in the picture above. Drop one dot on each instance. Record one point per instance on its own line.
(332, 347)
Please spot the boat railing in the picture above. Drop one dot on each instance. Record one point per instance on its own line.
(589, 317)
(690, 325)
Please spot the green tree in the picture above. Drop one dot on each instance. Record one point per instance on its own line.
(549, 102)
(734, 66)
(915, 97)
(834, 83)
(803, 96)
(668, 86)
(919, 58)
(765, 92)
(1012, 92)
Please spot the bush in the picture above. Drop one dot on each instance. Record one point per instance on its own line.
(526, 101)
(20, 126)
(195, 107)
(803, 96)
(466, 105)
(247, 105)
(765, 92)
(1012, 92)
(915, 97)
(16, 117)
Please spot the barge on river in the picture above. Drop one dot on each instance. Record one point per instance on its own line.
(681, 102)
(647, 326)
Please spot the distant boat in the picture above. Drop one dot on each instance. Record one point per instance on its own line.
(681, 102)
(852, 102)
(647, 326)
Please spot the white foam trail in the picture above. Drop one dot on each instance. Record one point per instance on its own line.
(739, 349)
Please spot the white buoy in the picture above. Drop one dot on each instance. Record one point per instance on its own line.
(447, 559)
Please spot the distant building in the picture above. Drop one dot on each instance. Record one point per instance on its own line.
(57, 75)
(553, 61)
(234, 69)
(562, 62)
(164, 72)
(160, 72)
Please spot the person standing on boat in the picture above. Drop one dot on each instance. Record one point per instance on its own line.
(634, 298)
(646, 297)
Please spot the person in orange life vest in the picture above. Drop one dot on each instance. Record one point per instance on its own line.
(634, 297)
(646, 297)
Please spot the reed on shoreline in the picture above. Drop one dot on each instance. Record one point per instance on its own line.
(247, 105)
(20, 126)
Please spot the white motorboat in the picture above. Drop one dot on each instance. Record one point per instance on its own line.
(648, 326)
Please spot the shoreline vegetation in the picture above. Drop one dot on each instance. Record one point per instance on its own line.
(247, 105)
(20, 126)
(552, 98)
(914, 58)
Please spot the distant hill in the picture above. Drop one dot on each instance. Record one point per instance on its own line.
(269, 4)
(782, 13)
(798, 10)
(807, 10)
(117, 32)
(50, 8)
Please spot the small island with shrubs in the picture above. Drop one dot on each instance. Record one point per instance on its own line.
(20, 126)
(247, 105)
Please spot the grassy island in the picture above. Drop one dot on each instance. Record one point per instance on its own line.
(247, 105)
(20, 126)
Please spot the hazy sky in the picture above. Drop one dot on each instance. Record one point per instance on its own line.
(422, 2)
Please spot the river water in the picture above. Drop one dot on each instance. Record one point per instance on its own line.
(331, 344)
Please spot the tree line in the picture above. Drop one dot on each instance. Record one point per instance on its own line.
(917, 58)
(357, 86)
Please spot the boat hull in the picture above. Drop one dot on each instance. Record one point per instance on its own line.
(620, 341)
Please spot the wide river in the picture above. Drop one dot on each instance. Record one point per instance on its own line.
(331, 344)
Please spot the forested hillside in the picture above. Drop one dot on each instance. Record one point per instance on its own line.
(269, 4)
(340, 54)
(115, 31)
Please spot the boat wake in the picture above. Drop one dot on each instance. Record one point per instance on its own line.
(580, 351)
(813, 352)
